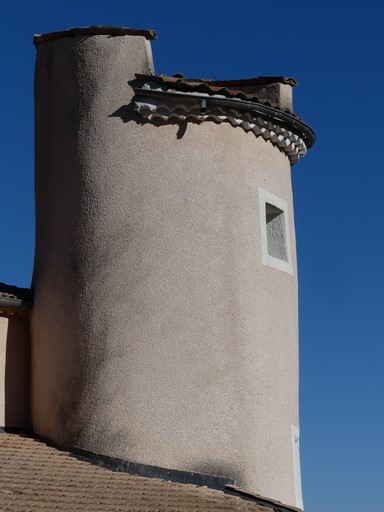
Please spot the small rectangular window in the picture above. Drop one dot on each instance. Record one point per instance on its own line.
(276, 246)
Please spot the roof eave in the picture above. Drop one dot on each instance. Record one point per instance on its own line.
(288, 120)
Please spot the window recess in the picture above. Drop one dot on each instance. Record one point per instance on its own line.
(276, 247)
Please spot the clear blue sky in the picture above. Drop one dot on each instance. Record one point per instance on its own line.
(335, 51)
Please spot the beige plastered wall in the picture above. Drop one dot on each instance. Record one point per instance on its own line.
(158, 334)
(14, 373)
(3, 348)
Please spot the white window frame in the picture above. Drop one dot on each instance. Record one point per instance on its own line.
(268, 260)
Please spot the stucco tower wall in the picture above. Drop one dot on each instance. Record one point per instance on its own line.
(159, 335)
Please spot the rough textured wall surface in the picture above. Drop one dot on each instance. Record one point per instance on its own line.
(14, 372)
(158, 334)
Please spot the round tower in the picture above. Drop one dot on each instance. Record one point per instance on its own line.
(164, 328)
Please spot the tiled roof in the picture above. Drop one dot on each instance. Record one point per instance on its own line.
(14, 300)
(247, 89)
(262, 105)
(37, 477)
(237, 83)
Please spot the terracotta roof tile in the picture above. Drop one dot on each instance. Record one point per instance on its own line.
(237, 83)
(247, 89)
(37, 477)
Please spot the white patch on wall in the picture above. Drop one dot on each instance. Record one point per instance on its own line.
(295, 432)
(275, 239)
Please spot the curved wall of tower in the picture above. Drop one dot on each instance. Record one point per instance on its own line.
(160, 332)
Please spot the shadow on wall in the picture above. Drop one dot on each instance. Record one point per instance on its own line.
(127, 113)
(17, 374)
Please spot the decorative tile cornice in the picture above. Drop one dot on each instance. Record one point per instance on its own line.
(159, 103)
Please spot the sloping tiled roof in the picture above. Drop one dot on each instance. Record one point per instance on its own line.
(247, 89)
(14, 300)
(37, 477)
(262, 105)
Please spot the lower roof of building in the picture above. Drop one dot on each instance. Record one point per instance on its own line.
(35, 476)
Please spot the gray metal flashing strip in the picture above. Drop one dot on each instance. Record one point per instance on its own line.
(146, 470)
(94, 31)
(291, 122)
